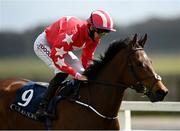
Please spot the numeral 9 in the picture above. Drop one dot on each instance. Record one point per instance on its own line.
(26, 97)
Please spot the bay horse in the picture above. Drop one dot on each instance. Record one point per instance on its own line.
(124, 65)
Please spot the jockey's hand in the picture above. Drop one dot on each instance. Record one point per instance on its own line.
(81, 77)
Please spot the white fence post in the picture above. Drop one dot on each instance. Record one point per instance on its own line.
(125, 120)
(128, 106)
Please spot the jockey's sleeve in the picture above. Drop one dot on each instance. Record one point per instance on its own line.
(57, 55)
(88, 53)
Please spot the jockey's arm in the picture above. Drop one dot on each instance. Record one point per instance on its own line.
(57, 56)
(88, 54)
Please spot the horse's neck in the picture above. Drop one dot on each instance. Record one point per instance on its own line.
(108, 98)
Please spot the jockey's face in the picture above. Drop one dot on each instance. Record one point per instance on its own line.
(97, 33)
(101, 33)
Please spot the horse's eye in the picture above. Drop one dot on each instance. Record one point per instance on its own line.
(140, 64)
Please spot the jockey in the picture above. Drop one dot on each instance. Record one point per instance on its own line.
(55, 45)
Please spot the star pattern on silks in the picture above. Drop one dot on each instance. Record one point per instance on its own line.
(68, 39)
(60, 62)
(60, 51)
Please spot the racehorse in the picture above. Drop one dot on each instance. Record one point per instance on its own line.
(124, 65)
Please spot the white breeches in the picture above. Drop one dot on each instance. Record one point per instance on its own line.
(43, 51)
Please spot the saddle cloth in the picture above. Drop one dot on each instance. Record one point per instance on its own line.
(30, 95)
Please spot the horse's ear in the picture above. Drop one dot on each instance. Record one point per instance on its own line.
(143, 41)
(134, 40)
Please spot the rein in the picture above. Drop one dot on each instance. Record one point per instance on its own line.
(91, 107)
(138, 86)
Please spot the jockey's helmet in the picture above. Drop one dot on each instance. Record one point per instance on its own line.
(101, 20)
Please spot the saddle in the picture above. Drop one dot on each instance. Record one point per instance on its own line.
(29, 96)
(69, 88)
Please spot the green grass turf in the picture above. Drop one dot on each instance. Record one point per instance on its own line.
(34, 68)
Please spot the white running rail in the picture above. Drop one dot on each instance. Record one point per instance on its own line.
(128, 106)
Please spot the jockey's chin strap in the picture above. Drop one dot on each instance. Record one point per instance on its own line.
(91, 32)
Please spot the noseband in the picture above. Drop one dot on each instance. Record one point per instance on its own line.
(139, 86)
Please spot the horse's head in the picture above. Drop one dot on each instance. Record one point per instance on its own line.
(126, 64)
(142, 77)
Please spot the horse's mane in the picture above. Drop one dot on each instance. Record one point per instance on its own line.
(115, 46)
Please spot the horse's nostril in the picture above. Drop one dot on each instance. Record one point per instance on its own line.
(166, 92)
(161, 92)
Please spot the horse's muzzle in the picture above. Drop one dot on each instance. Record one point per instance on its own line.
(156, 96)
(158, 92)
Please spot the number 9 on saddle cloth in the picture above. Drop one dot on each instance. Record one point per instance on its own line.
(29, 96)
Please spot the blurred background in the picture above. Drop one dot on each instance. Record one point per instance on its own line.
(21, 21)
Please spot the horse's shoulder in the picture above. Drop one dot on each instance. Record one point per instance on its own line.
(11, 84)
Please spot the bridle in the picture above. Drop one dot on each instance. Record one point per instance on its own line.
(138, 86)
(139, 81)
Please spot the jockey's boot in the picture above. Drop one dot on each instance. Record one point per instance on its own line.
(52, 88)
